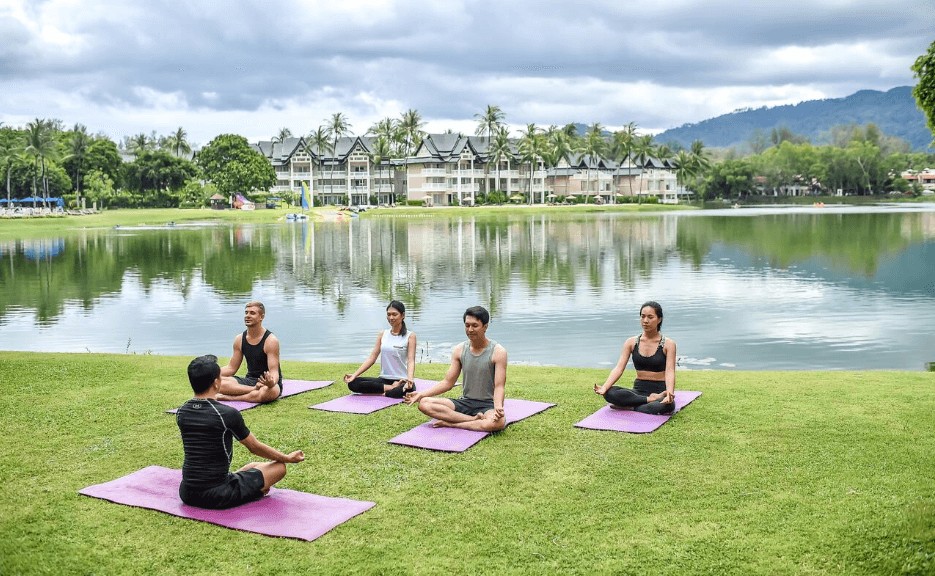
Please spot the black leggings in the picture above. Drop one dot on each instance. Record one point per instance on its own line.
(368, 385)
(637, 398)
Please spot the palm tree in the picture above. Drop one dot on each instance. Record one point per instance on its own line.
(684, 167)
(318, 140)
(337, 127)
(178, 143)
(622, 146)
(699, 155)
(642, 150)
(592, 148)
(8, 155)
(282, 135)
(40, 144)
(560, 145)
(388, 129)
(138, 143)
(571, 130)
(488, 123)
(382, 150)
(78, 151)
(410, 129)
(530, 150)
(499, 151)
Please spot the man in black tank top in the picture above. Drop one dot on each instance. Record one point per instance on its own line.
(263, 381)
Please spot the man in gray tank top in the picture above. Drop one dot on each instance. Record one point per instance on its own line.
(483, 363)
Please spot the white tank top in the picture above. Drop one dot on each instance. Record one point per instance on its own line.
(394, 353)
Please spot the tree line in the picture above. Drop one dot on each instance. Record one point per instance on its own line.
(44, 159)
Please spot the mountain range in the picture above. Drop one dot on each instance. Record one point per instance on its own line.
(894, 112)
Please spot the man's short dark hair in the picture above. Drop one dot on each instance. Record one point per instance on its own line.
(202, 372)
(478, 312)
(256, 304)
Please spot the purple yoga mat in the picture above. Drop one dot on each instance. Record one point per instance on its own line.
(289, 388)
(608, 418)
(457, 440)
(283, 512)
(367, 403)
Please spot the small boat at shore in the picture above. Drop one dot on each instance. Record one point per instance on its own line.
(292, 217)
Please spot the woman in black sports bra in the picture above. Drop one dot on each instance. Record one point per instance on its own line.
(653, 354)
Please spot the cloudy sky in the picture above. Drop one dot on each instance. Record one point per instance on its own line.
(122, 67)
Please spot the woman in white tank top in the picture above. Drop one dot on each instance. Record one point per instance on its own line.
(396, 349)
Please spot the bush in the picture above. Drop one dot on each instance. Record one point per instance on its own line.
(415, 202)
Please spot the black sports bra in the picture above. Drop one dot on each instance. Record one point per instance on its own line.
(654, 363)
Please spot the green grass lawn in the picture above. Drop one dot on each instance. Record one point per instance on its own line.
(31, 227)
(766, 473)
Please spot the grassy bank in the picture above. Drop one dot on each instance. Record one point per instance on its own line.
(766, 473)
(22, 227)
(25, 227)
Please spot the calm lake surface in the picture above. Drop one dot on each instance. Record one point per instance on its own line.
(752, 289)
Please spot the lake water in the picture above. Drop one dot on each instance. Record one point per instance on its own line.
(752, 289)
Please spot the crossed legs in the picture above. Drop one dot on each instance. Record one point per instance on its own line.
(443, 410)
(231, 389)
(272, 472)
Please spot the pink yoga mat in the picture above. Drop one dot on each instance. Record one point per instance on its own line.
(289, 388)
(283, 512)
(608, 418)
(457, 440)
(367, 403)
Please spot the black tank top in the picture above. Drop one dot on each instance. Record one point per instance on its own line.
(654, 363)
(256, 357)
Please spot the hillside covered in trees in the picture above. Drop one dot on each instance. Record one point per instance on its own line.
(894, 112)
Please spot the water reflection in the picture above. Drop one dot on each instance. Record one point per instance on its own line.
(772, 290)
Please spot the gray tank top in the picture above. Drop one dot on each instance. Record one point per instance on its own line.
(477, 372)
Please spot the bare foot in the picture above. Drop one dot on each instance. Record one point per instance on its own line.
(655, 396)
(439, 424)
(615, 407)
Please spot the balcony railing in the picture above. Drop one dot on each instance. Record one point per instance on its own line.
(434, 172)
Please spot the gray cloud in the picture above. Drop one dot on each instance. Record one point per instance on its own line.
(594, 60)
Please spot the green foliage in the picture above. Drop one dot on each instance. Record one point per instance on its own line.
(753, 478)
(493, 197)
(729, 179)
(156, 177)
(98, 188)
(234, 167)
(924, 91)
(196, 195)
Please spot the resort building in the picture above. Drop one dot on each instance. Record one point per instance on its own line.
(925, 178)
(452, 169)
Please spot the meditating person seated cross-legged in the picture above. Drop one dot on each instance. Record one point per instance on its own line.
(396, 348)
(208, 429)
(260, 348)
(654, 358)
(483, 363)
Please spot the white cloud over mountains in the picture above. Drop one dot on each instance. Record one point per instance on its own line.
(124, 67)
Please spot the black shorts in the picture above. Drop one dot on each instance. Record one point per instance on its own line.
(239, 488)
(470, 406)
(251, 381)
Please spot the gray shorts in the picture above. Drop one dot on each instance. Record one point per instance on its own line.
(470, 406)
